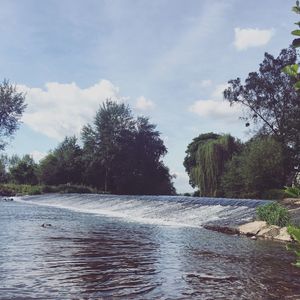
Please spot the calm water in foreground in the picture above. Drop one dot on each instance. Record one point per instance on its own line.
(88, 256)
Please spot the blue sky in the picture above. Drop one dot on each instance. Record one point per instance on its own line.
(168, 59)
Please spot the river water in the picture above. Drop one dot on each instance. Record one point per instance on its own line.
(114, 247)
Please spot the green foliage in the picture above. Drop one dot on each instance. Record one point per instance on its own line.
(295, 234)
(11, 109)
(205, 161)
(292, 191)
(271, 104)
(63, 165)
(258, 168)
(11, 189)
(273, 214)
(123, 155)
(70, 189)
(291, 70)
(23, 170)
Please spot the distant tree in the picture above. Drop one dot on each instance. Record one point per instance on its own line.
(271, 102)
(63, 165)
(259, 167)
(23, 170)
(124, 154)
(205, 161)
(12, 107)
(4, 175)
(49, 171)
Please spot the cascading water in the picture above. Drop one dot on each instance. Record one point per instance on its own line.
(162, 210)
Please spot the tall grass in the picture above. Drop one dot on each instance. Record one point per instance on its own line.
(274, 214)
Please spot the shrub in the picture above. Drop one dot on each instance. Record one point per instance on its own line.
(273, 214)
(292, 191)
(80, 189)
(295, 234)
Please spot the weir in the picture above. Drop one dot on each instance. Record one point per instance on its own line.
(160, 210)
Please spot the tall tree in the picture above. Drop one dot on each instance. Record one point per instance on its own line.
(205, 161)
(23, 170)
(271, 102)
(64, 164)
(125, 153)
(259, 167)
(104, 140)
(12, 107)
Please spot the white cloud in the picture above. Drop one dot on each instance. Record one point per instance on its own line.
(144, 104)
(214, 109)
(37, 155)
(216, 106)
(218, 91)
(181, 182)
(62, 109)
(206, 83)
(249, 37)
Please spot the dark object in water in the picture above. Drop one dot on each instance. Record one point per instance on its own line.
(7, 199)
(222, 229)
(44, 225)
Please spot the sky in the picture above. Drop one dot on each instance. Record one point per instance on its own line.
(169, 60)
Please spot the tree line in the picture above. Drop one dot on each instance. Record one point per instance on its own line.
(118, 154)
(220, 165)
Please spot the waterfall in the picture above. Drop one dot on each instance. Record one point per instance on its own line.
(161, 210)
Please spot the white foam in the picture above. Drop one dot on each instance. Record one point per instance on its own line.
(157, 210)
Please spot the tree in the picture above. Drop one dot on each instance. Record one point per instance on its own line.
(4, 176)
(12, 107)
(64, 164)
(259, 167)
(23, 170)
(205, 161)
(124, 154)
(113, 123)
(272, 104)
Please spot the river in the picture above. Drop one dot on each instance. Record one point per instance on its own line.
(123, 247)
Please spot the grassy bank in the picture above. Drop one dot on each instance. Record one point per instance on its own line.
(11, 189)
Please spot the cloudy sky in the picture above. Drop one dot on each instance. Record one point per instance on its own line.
(168, 59)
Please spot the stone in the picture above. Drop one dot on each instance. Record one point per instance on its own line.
(269, 232)
(252, 228)
(283, 235)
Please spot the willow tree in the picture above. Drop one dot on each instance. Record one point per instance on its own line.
(205, 161)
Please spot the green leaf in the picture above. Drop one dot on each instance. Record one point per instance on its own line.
(297, 264)
(297, 23)
(296, 32)
(297, 85)
(292, 230)
(296, 43)
(291, 70)
(296, 9)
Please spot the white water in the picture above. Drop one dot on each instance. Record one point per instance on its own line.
(161, 210)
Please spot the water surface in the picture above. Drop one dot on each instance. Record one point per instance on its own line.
(84, 256)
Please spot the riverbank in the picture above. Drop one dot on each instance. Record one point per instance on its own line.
(260, 229)
(11, 189)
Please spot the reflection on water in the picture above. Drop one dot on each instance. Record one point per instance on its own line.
(83, 256)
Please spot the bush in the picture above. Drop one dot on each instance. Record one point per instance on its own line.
(295, 234)
(79, 189)
(273, 214)
(292, 191)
